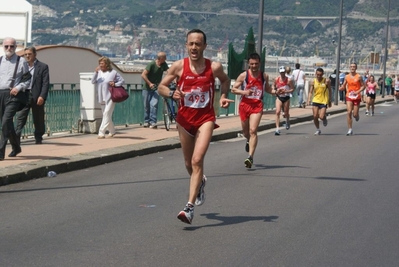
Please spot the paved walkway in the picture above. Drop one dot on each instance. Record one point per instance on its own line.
(68, 152)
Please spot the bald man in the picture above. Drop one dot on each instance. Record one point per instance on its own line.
(152, 76)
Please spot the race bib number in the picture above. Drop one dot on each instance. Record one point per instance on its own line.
(352, 95)
(256, 93)
(286, 88)
(196, 99)
(371, 92)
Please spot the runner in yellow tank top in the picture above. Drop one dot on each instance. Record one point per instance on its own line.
(354, 85)
(320, 88)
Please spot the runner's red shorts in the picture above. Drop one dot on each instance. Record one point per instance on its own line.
(356, 102)
(246, 109)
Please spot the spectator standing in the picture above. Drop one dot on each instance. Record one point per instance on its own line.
(36, 94)
(396, 87)
(393, 84)
(299, 78)
(13, 82)
(104, 77)
(388, 84)
(152, 76)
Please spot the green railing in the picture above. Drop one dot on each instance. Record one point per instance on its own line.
(62, 108)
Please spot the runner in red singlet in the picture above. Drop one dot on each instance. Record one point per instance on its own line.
(354, 85)
(196, 116)
(282, 88)
(250, 85)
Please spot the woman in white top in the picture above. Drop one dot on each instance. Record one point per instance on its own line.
(105, 77)
(396, 93)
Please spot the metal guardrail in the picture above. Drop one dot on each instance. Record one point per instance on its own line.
(62, 109)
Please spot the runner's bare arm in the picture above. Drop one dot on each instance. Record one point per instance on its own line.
(343, 86)
(236, 89)
(311, 88)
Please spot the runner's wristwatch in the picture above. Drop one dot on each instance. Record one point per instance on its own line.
(171, 93)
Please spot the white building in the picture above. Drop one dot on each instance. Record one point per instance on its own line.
(17, 13)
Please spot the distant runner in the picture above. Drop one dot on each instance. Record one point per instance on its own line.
(282, 88)
(250, 85)
(354, 85)
(322, 96)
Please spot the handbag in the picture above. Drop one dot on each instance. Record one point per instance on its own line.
(118, 93)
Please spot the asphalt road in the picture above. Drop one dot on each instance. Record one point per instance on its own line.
(328, 200)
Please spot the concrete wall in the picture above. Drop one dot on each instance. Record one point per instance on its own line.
(66, 62)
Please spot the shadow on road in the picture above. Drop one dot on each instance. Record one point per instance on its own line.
(229, 220)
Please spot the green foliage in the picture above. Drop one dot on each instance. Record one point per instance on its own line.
(362, 28)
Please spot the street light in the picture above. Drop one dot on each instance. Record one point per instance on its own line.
(338, 53)
(386, 51)
(260, 27)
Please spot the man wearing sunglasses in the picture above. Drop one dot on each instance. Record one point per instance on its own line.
(36, 94)
(13, 83)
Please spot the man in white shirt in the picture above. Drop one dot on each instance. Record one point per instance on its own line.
(298, 77)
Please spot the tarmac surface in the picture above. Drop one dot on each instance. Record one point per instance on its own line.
(68, 152)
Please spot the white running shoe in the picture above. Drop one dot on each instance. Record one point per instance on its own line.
(350, 132)
(201, 193)
(318, 132)
(186, 215)
(277, 132)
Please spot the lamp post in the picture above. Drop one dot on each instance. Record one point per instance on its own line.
(386, 51)
(260, 27)
(338, 53)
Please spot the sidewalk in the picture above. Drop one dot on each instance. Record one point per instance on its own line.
(69, 152)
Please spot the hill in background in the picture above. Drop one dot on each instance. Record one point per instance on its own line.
(155, 29)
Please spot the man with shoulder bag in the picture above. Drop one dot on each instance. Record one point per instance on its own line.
(13, 83)
(299, 84)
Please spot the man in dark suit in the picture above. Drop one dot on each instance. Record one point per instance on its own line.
(36, 94)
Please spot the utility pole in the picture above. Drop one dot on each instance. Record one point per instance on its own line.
(386, 51)
(260, 27)
(338, 54)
